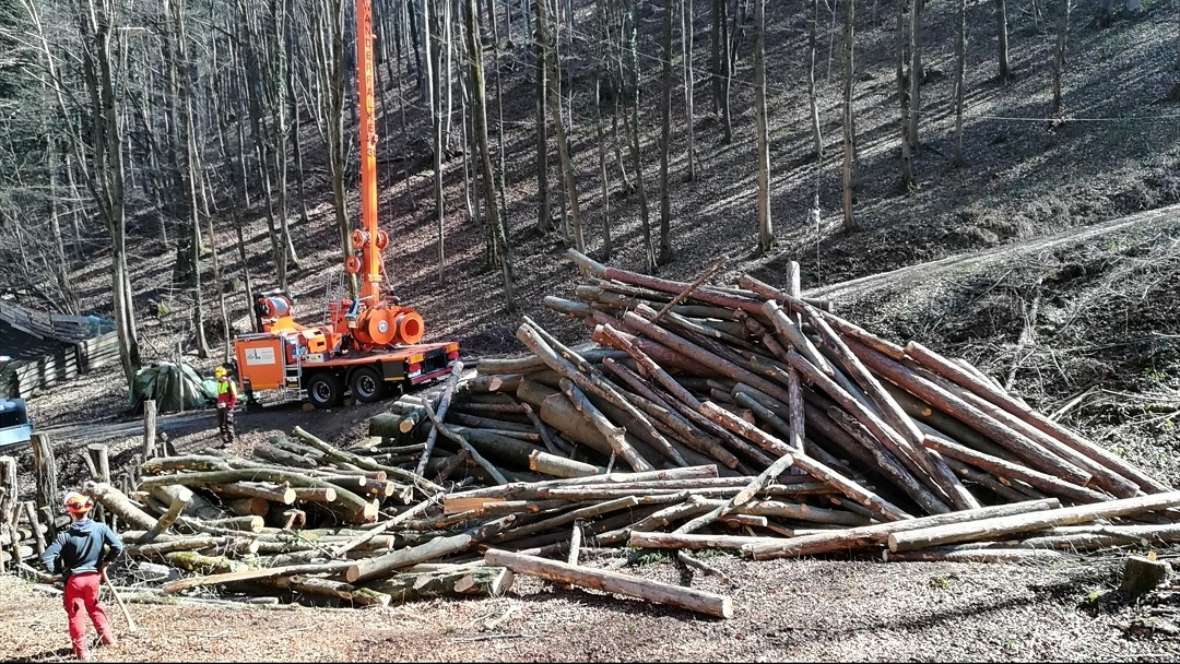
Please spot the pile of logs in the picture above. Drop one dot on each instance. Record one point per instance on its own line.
(749, 419)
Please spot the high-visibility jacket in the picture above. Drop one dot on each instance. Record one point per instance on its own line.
(227, 392)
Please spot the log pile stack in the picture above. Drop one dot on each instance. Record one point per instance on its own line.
(749, 419)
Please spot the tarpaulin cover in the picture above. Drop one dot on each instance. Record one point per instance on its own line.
(175, 387)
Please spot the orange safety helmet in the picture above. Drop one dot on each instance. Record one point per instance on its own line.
(77, 503)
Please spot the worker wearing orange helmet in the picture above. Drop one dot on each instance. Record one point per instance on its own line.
(227, 400)
(77, 554)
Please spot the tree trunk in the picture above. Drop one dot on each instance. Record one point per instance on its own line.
(915, 69)
(1002, 41)
(686, 40)
(569, 185)
(652, 591)
(1059, 55)
(504, 232)
(765, 228)
(812, 47)
(960, 73)
(1000, 527)
(904, 29)
(715, 14)
(190, 173)
(430, 32)
(666, 137)
(727, 45)
(649, 254)
(544, 215)
(330, 74)
(278, 109)
(878, 534)
(105, 177)
(607, 245)
(849, 137)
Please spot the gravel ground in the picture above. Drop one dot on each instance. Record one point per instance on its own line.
(805, 610)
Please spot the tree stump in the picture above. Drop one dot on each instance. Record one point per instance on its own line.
(1142, 575)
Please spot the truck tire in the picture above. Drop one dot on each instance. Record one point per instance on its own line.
(325, 390)
(366, 385)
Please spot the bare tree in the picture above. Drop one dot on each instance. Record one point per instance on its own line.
(569, 183)
(434, 94)
(686, 42)
(329, 47)
(761, 131)
(812, 46)
(903, 94)
(632, 32)
(915, 70)
(544, 215)
(727, 46)
(607, 245)
(1059, 55)
(276, 101)
(480, 121)
(190, 174)
(1002, 41)
(666, 137)
(849, 135)
(716, 13)
(95, 19)
(960, 74)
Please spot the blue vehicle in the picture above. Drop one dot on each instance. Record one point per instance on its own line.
(15, 429)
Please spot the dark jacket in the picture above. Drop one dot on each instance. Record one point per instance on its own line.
(79, 549)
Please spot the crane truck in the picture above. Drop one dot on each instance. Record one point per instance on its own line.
(372, 344)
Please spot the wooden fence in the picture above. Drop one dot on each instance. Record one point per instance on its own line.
(84, 347)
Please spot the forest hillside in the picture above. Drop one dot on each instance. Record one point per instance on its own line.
(236, 136)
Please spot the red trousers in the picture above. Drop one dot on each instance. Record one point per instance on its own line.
(81, 599)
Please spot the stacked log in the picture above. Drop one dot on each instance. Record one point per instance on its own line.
(747, 418)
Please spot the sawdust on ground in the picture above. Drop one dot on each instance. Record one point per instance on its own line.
(802, 610)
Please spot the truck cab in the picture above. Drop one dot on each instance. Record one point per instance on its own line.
(15, 428)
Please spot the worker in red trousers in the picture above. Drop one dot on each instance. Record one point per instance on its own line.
(77, 555)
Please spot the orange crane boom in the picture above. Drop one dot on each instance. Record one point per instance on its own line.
(371, 264)
(371, 345)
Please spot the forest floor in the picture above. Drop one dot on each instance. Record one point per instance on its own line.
(803, 610)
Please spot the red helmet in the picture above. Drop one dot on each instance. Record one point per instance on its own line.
(77, 503)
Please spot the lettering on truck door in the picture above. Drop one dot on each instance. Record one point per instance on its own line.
(260, 356)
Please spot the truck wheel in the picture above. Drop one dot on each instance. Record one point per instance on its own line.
(324, 390)
(367, 385)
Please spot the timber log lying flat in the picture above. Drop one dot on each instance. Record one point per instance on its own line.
(702, 417)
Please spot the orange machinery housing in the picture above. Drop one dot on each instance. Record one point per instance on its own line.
(325, 360)
(371, 345)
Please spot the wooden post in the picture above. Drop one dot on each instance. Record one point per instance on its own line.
(45, 473)
(8, 481)
(35, 524)
(13, 520)
(4, 527)
(101, 460)
(149, 428)
(8, 498)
